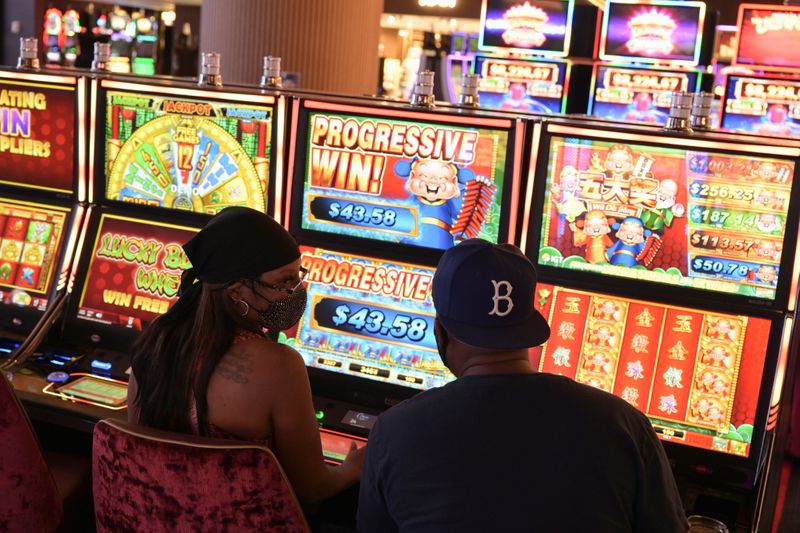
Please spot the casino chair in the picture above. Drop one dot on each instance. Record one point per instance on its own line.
(34, 494)
(153, 480)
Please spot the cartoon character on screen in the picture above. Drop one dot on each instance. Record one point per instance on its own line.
(769, 199)
(722, 330)
(768, 223)
(777, 122)
(564, 194)
(764, 274)
(602, 337)
(657, 219)
(517, 98)
(592, 233)
(454, 203)
(766, 251)
(630, 248)
(619, 161)
(642, 110)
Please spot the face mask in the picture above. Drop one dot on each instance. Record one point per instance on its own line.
(284, 313)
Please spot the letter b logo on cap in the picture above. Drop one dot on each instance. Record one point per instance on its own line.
(506, 297)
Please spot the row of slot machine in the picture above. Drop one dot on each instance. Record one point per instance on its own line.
(668, 263)
(540, 56)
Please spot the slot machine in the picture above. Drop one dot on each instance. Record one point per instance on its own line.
(524, 48)
(762, 104)
(53, 35)
(761, 87)
(43, 173)
(647, 50)
(522, 85)
(165, 157)
(458, 62)
(376, 192)
(668, 273)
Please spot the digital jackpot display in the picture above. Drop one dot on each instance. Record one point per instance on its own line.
(698, 219)
(532, 27)
(638, 95)
(37, 134)
(134, 271)
(768, 37)
(179, 153)
(696, 375)
(403, 181)
(529, 86)
(762, 105)
(369, 318)
(657, 31)
(30, 242)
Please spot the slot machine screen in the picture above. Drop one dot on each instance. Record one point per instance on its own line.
(37, 134)
(656, 31)
(696, 375)
(532, 27)
(370, 318)
(762, 105)
(458, 43)
(768, 37)
(134, 271)
(473, 40)
(529, 86)
(31, 237)
(637, 95)
(710, 221)
(398, 179)
(166, 150)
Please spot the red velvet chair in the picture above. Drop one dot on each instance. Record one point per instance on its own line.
(30, 500)
(151, 480)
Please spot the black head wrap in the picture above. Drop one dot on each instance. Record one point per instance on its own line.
(238, 243)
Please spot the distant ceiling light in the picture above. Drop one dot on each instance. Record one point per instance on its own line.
(168, 17)
(402, 33)
(453, 22)
(391, 19)
(437, 3)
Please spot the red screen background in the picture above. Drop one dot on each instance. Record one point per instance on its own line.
(56, 125)
(119, 275)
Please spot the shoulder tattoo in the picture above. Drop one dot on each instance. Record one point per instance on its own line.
(236, 365)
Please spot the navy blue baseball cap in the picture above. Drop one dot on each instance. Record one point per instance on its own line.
(484, 294)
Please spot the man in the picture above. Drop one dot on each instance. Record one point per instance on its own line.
(504, 448)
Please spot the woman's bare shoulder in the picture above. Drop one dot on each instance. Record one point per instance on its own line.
(260, 361)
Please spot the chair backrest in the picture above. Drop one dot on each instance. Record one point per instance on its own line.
(29, 499)
(152, 480)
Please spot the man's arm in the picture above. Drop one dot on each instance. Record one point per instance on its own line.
(373, 513)
(658, 502)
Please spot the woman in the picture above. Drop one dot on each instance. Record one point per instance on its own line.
(207, 367)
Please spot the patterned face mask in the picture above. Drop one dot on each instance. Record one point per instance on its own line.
(284, 313)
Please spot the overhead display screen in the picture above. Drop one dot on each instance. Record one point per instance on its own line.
(768, 37)
(37, 135)
(708, 221)
(134, 271)
(655, 31)
(531, 27)
(696, 375)
(31, 237)
(402, 181)
(180, 153)
(369, 318)
(637, 95)
(529, 86)
(761, 105)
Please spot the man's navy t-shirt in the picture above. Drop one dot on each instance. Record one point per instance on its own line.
(532, 452)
